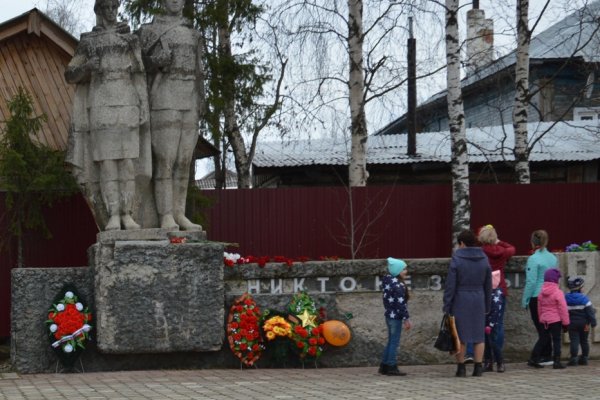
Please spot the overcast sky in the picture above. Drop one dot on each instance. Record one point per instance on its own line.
(12, 8)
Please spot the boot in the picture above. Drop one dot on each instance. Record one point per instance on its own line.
(110, 195)
(583, 360)
(557, 364)
(163, 194)
(382, 369)
(478, 369)
(127, 193)
(394, 371)
(461, 370)
(500, 367)
(489, 366)
(533, 363)
(572, 362)
(179, 199)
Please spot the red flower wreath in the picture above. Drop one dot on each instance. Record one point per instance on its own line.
(68, 323)
(243, 332)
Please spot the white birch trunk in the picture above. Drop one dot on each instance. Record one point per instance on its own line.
(520, 108)
(461, 203)
(231, 126)
(357, 171)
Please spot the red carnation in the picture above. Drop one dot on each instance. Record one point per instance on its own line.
(312, 351)
(312, 341)
(300, 345)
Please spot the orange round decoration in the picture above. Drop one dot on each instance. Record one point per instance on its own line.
(336, 333)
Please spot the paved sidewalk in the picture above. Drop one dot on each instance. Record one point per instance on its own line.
(423, 382)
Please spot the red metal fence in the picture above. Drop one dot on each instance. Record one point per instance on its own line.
(401, 221)
(73, 231)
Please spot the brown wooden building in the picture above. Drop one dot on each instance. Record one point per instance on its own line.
(34, 52)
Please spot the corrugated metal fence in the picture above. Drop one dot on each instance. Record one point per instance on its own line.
(401, 221)
(73, 231)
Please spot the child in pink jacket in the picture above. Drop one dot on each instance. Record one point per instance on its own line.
(553, 314)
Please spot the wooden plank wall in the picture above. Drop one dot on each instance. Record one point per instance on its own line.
(38, 65)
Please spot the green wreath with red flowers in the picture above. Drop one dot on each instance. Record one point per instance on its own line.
(243, 330)
(307, 329)
(68, 325)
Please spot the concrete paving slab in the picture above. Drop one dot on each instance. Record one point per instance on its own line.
(422, 382)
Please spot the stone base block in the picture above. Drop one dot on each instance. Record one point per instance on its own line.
(33, 291)
(158, 297)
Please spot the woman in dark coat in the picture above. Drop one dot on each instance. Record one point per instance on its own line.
(467, 296)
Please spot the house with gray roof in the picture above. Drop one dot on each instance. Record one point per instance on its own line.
(564, 117)
(563, 76)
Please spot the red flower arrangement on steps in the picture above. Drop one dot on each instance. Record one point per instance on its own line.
(243, 331)
(231, 259)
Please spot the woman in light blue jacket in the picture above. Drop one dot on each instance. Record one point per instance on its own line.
(537, 264)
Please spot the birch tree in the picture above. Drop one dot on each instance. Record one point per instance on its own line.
(521, 104)
(357, 171)
(347, 64)
(461, 203)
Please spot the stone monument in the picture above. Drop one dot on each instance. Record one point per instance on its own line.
(172, 54)
(152, 294)
(110, 112)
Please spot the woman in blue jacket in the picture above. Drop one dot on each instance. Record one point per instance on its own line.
(537, 264)
(467, 296)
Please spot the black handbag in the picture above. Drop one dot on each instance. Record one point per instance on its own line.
(444, 341)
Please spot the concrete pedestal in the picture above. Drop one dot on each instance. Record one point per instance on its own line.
(153, 296)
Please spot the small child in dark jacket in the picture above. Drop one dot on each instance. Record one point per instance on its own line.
(395, 297)
(492, 351)
(582, 315)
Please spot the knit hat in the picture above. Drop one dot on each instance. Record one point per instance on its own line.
(575, 283)
(552, 275)
(395, 266)
(495, 279)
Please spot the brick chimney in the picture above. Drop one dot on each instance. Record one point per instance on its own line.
(480, 39)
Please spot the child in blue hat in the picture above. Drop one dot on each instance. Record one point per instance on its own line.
(395, 297)
(581, 315)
